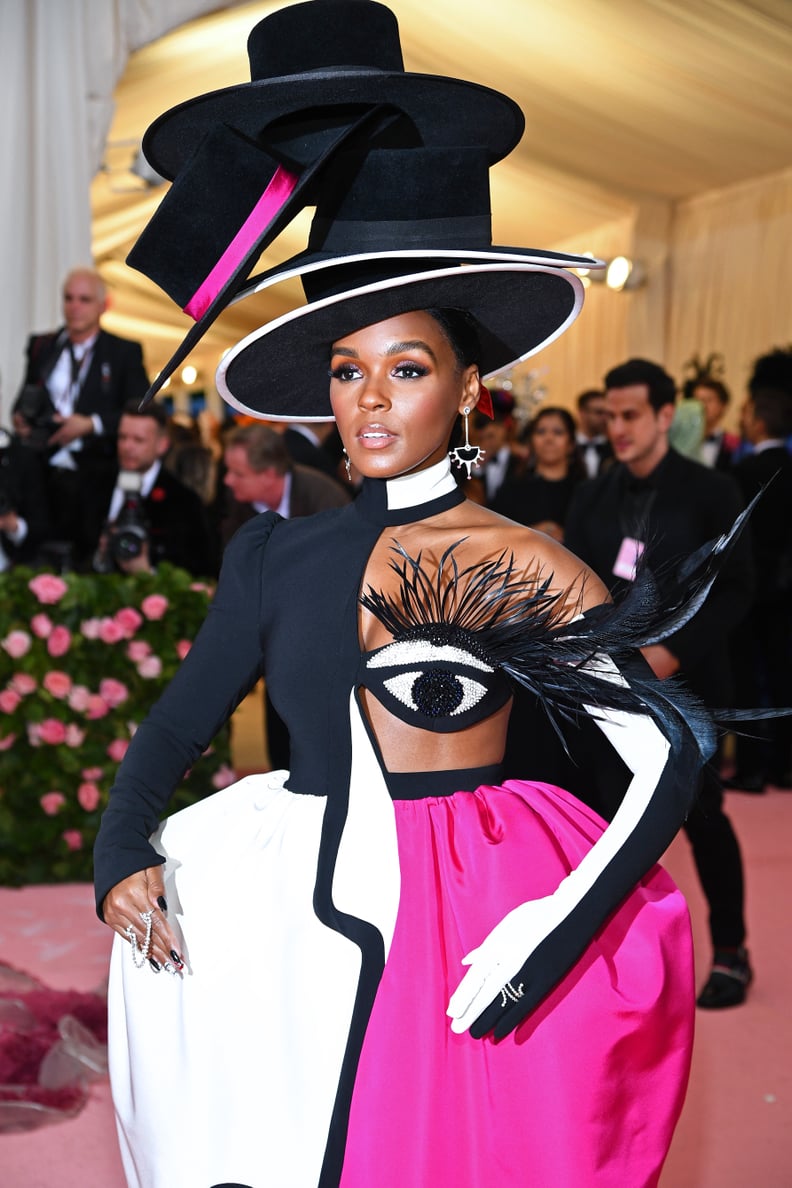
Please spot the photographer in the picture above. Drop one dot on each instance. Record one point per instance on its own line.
(77, 381)
(23, 504)
(145, 515)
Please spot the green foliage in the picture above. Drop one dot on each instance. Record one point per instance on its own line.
(82, 658)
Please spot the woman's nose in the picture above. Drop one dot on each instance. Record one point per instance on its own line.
(373, 394)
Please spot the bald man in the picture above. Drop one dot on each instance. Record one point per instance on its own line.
(77, 382)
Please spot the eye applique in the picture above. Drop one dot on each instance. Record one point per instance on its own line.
(436, 689)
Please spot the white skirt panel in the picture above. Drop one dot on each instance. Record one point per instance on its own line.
(229, 1072)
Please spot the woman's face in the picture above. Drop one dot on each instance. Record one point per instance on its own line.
(550, 440)
(396, 389)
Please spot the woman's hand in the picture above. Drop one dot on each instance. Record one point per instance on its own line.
(124, 906)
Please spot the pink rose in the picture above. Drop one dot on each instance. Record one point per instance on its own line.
(97, 708)
(47, 587)
(79, 698)
(137, 650)
(75, 737)
(73, 839)
(92, 773)
(7, 742)
(57, 683)
(114, 692)
(17, 644)
(90, 628)
(52, 802)
(154, 606)
(9, 700)
(59, 641)
(182, 648)
(88, 796)
(52, 731)
(23, 683)
(41, 626)
(150, 668)
(110, 632)
(200, 587)
(128, 619)
(117, 749)
(224, 776)
(33, 731)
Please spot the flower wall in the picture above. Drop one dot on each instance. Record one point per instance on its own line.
(82, 658)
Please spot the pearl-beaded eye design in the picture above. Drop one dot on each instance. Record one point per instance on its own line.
(436, 688)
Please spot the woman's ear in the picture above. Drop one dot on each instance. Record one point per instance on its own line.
(471, 387)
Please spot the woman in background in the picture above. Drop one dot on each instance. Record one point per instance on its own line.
(540, 497)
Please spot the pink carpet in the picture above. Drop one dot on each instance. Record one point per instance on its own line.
(736, 1128)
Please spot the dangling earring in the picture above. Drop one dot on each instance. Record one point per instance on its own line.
(347, 464)
(467, 455)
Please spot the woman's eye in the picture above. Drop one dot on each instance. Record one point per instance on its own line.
(410, 370)
(436, 693)
(345, 372)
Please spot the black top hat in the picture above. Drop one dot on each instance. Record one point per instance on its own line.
(335, 52)
(279, 372)
(421, 202)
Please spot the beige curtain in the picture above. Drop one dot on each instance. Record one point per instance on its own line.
(731, 268)
(59, 64)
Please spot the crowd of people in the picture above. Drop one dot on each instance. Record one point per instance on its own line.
(90, 481)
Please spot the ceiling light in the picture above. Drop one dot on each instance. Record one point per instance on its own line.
(189, 375)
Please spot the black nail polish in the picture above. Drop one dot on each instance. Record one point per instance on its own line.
(155, 965)
(179, 960)
(162, 903)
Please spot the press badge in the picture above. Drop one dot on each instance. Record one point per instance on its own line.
(626, 563)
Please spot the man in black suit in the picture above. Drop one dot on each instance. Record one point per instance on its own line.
(78, 379)
(654, 500)
(23, 504)
(143, 514)
(763, 644)
(592, 439)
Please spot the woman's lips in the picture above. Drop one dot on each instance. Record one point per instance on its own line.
(375, 438)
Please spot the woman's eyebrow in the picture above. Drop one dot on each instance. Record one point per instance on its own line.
(397, 348)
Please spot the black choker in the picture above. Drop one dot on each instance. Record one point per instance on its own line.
(372, 503)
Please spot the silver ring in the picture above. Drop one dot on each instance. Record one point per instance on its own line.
(511, 994)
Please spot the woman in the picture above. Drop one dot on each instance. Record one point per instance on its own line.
(322, 921)
(540, 498)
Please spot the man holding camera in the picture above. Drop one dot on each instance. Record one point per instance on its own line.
(78, 380)
(145, 515)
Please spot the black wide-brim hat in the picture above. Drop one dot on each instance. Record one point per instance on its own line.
(333, 53)
(280, 371)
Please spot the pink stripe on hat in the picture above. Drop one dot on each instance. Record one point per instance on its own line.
(277, 193)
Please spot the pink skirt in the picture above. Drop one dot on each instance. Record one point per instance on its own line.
(589, 1087)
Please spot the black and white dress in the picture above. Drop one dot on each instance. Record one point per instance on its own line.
(324, 913)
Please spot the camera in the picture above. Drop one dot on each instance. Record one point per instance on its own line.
(35, 406)
(127, 536)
